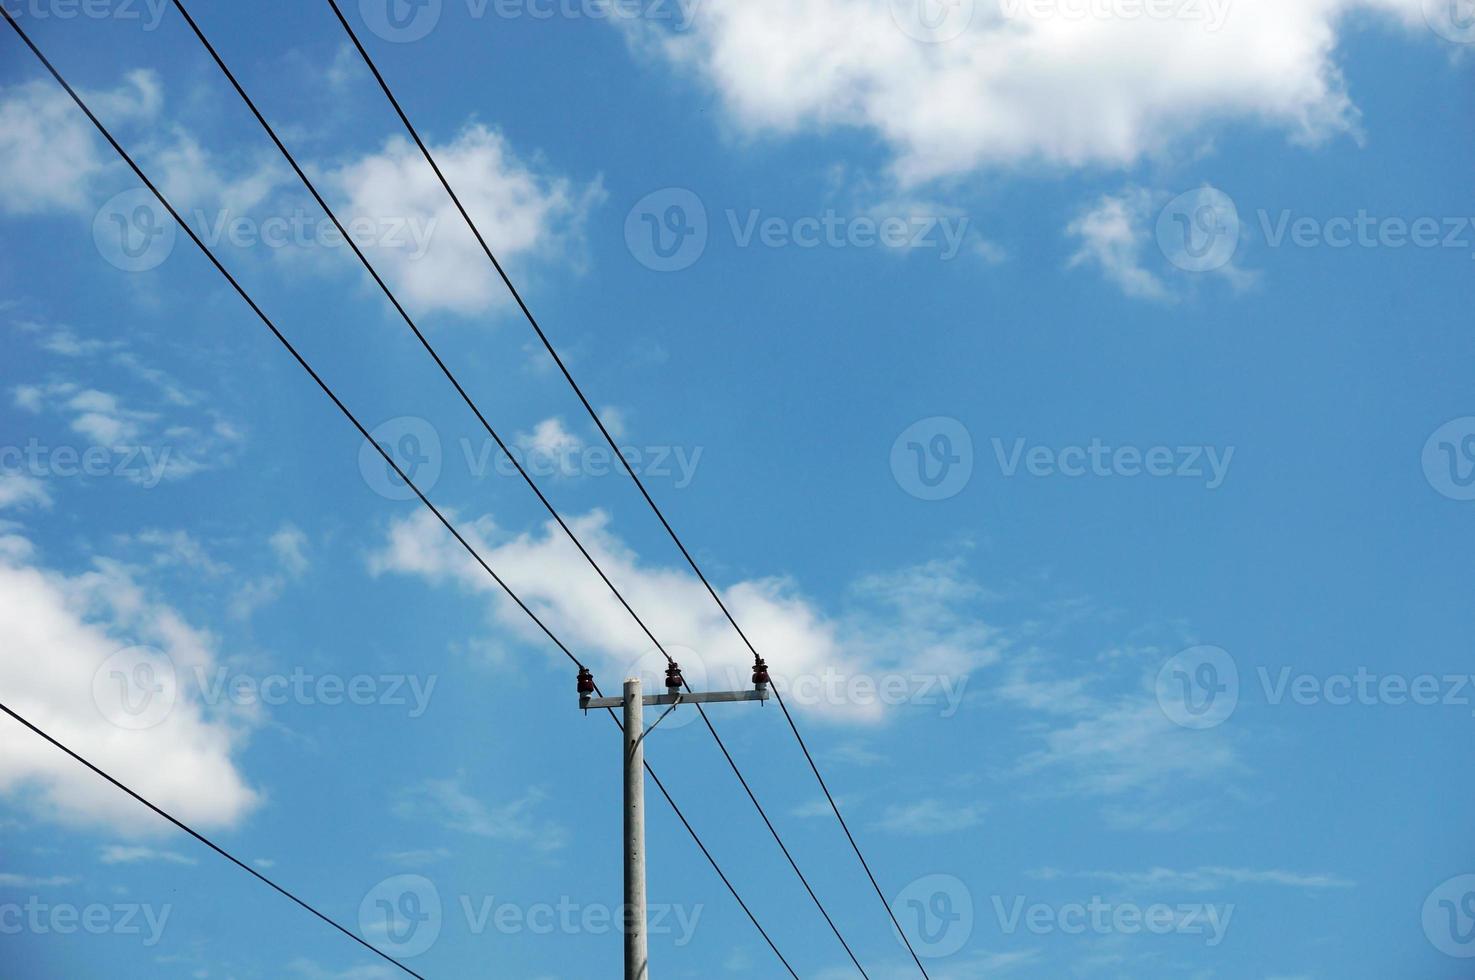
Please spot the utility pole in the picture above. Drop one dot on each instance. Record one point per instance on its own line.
(632, 703)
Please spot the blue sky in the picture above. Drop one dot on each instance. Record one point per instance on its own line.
(1090, 381)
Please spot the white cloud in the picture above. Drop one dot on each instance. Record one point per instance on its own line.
(28, 881)
(929, 818)
(907, 623)
(522, 214)
(136, 854)
(60, 630)
(289, 545)
(143, 446)
(1096, 741)
(20, 490)
(1113, 234)
(447, 803)
(1206, 879)
(49, 151)
(1015, 87)
(550, 448)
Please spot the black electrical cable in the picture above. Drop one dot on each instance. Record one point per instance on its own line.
(548, 345)
(209, 843)
(471, 404)
(240, 290)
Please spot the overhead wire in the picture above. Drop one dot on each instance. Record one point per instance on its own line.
(347, 413)
(502, 446)
(604, 431)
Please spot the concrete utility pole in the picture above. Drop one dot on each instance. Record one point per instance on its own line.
(633, 702)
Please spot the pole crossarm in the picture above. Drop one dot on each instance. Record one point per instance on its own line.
(709, 697)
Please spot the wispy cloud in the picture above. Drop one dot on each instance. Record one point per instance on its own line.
(926, 818)
(446, 802)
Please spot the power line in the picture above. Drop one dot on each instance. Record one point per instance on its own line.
(207, 841)
(548, 345)
(470, 403)
(240, 290)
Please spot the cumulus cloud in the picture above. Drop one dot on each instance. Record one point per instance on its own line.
(914, 626)
(61, 631)
(522, 213)
(1021, 82)
(50, 153)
